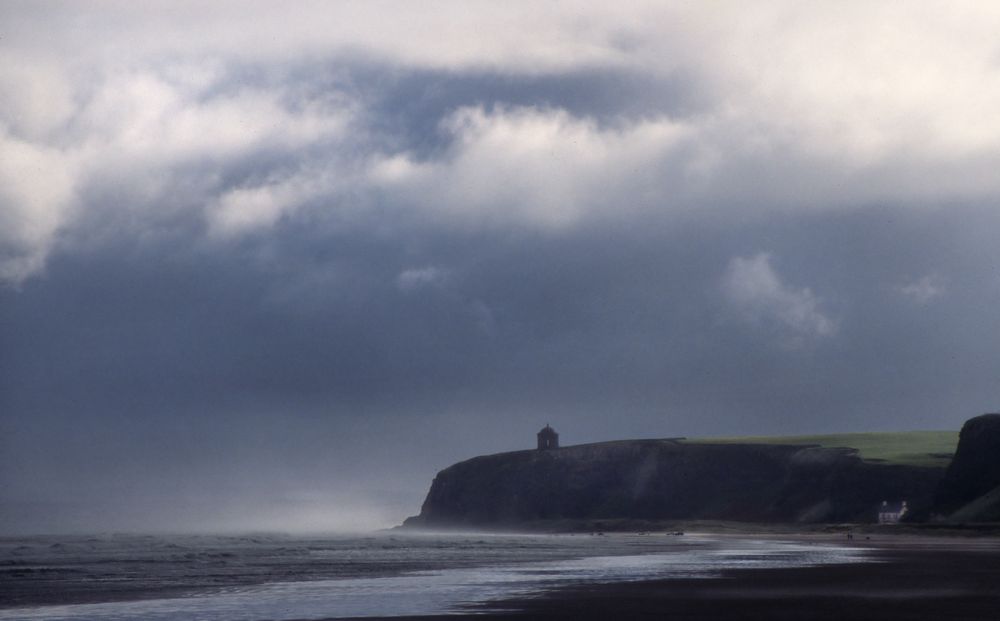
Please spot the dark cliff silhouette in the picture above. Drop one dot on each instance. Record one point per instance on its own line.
(669, 479)
(970, 489)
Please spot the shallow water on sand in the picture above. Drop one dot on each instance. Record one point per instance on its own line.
(284, 577)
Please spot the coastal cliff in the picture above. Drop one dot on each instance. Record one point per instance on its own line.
(970, 490)
(671, 480)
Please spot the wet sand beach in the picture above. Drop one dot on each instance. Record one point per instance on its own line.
(912, 578)
(649, 575)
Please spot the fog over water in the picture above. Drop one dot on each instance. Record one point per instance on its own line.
(272, 268)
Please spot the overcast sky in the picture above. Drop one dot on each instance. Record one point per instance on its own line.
(272, 265)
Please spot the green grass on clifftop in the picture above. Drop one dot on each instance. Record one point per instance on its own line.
(911, 448)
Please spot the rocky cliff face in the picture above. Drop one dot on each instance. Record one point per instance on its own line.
(665, 479)
(969, 488)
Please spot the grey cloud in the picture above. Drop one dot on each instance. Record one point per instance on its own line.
(252, 134)
(923, 290)
(314, 364)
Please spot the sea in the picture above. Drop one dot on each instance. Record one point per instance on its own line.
(285, 577)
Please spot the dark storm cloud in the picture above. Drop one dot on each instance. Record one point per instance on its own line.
(131, 358)
(570, 319)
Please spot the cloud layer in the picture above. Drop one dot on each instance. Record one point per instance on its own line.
(792, 109)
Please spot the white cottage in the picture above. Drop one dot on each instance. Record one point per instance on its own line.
(891, 512)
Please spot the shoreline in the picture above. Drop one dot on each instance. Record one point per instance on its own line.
(908, 577)
(714, 527)
(886, 574)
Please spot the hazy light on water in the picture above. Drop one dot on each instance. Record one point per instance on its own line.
(476, 570)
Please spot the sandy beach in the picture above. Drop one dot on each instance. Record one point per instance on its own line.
(913, 578)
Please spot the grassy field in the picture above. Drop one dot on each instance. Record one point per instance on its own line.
(914, 448)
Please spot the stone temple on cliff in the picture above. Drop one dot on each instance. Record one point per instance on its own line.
(548, 439)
